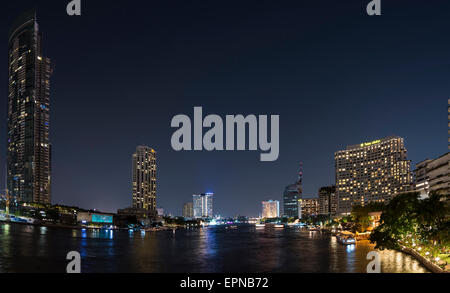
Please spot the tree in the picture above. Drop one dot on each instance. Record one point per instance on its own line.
(432, 219)
(399, 220)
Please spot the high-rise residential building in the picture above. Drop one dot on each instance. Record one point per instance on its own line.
(291, 196)
(328, 201)
(203, 205)
(29, 149)
(371, 172)
(270, 209)
(433, 175)
(188, 210)
(144, 179)
(309, 207)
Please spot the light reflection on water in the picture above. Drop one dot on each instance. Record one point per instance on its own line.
(246, 249)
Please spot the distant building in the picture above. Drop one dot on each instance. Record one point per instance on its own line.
(271, 209)
(291, 196)
(328, 201)
(309, 207)
(95, 218)
(160, 212)
(144, 178)
(371, 172)
(433, 175)
(203, 205)
(188, 210)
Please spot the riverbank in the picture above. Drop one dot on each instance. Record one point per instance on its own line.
(425, 262)
(50, 225)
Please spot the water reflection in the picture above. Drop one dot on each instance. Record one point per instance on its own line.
(351, 248)
(246, 249)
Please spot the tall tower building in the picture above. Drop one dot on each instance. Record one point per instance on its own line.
(371, 172)
(144, 179)
(203, 205)
(292, 195)
(29, 149)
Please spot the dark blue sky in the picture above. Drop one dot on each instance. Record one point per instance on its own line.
(334, 75)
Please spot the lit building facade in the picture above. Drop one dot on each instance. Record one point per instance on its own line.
(203, 205)
(328, 201)
(371, 172)
(309, 207)
(29, 149)
(188, 210)
(271, 209)
(433, 175)
(144, 178)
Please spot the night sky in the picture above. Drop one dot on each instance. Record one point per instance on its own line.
(335, 76)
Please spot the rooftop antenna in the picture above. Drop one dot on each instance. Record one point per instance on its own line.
(300, 173)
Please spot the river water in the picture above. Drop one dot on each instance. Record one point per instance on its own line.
(26, 248)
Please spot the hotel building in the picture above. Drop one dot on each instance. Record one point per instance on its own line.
(203, 205)
(144, 179)
(29, 150)
(371, 172)
(271, 209)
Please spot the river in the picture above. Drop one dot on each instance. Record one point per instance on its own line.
(30, 249)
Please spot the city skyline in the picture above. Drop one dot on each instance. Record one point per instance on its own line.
(78, 157)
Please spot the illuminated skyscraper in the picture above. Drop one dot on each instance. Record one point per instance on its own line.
(144, 179)
(291, 196)
(271, 209)
(29, 149)
(203, 205)
(371, 172)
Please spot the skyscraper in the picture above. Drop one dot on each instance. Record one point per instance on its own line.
(144, 179)
(203, 205)
(371, 172)
(271, 209)
(29, 149)
(291, 196)
(188, 210)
